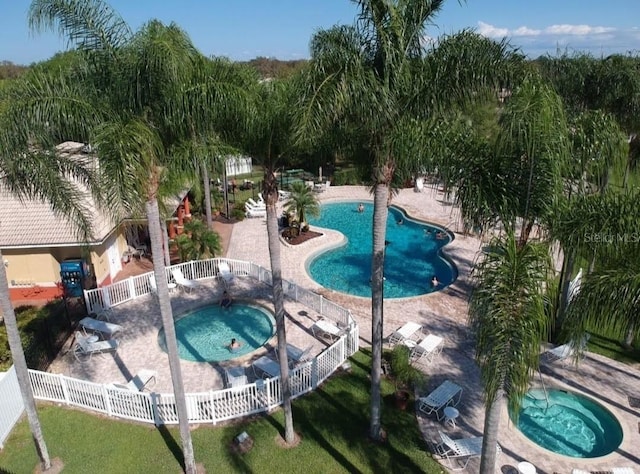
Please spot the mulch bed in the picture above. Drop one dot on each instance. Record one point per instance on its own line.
(303, 237)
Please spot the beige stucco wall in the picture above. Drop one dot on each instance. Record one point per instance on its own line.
(31, 267)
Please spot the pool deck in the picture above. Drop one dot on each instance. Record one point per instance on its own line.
(443, 313)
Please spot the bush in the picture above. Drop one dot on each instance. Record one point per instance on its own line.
(345, 177)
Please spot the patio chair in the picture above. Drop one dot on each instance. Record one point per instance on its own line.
(283, 195)
(182, 282)
(154, 288)
(255, 211)
(447, 394)
(265, 366)
(235, 376)
(101, 311)
(139, 382)
(406, 332)
(326, 329)
(224, 272)
(104, 328)
(86, 346)
(296, 355)
(566, 351)
(458, 452)
(427, 350)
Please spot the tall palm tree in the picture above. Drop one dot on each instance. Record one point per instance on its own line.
(147, 95)
(302, 201)
(506, 314)
(377, 76)
(267, 140)
(29, 173)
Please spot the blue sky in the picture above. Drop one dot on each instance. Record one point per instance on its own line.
(244, 29)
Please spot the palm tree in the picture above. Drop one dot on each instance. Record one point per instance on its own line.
(43, 175)
(146, 96)
(506, 314)
(197, 241)
(377, 78)
(267, 140)
(302, 201)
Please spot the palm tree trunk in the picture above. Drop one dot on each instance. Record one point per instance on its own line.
(165, 242)
(565, 281)
(490, 442)
(207, 195)
(22, 371)
(271, 195)
(380, 212)
(153, 217)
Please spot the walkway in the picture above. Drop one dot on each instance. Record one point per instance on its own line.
(445, 313)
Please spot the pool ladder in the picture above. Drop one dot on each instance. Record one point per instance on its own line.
(544, 389)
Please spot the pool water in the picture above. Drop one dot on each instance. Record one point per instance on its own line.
(569, 424)
(204, 334)
(412, 253)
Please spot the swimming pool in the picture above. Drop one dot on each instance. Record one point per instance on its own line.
(204, 334)
(412, 253)
(569, 424)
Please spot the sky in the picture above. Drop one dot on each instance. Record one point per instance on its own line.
(245, 29)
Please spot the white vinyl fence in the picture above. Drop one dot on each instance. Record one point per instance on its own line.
(11, 405)
(204, 407)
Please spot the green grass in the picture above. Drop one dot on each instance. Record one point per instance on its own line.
(332, 423)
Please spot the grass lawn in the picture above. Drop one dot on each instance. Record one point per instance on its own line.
(332, 423)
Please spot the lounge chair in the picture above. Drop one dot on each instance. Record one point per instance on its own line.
(266, 366)
(458, 452)
(566, 351)
(139, 382)
(106, 329)
(326, 329)
(154, 287)
(101, 311)
(447, 394)
(235, 376)
(86, 346)
(283, 195)
(256, 205)
(296, 355)
(427, 350)
(613, 470)
(182, 282)
(255, 211)
(406, 332)
(224, 272)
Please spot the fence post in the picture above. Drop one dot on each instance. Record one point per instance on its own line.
(63, 386)
(321, 305)
(213, 407)
(193, 273)
(314, 373)
(132, 288)
(107, 400)
(154, 407)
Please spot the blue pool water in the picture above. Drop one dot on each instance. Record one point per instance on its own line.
(569, 424)
(412, 253)
(204, 334)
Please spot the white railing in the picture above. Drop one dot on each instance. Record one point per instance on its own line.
(205, 407)
(12, 406)
(137, 286)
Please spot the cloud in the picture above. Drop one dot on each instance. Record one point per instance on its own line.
(586, 38)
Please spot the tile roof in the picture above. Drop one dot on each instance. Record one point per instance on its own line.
(32, 223)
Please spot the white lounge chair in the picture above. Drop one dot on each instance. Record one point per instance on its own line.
(224, 272)
(458, 452)
(283, 195)
(406, 332)
(296, 355)
(139, 382)
(236, 376)
(326, 329)
(154, 288)
(257, 205)
(427, 350)
(613, 470)
(566, 351)
(255, 211)
(447, 394)
(182, 282)
(86, 346)
(266, 366)
(104, 328)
